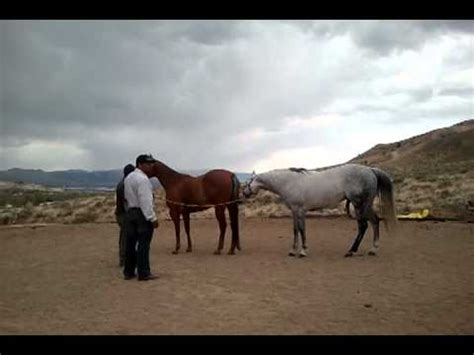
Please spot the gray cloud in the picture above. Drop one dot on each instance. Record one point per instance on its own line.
(461, 92)
(446, 26)
(184, 90)
(387, 36)
(383, 37)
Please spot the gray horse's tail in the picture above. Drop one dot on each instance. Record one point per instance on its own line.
(387, 201)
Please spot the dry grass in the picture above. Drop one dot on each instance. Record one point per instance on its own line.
(445, 196)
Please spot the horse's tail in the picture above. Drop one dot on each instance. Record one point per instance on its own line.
(234, 214)
(385, 190)
(235, 187)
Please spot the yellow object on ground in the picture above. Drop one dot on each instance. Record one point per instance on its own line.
(415, 215)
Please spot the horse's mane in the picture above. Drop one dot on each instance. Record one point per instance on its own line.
(299, 170)
(310, 171)
(327, 167)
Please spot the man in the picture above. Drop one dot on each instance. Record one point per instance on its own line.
(120, 207)
(140, 219)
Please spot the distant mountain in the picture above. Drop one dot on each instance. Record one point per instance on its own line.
(77, 178)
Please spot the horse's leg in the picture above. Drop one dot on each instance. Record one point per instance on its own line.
(187, 230)
(234, 225)
(175, 216)
(302, 230)
(374, 220)
(220, 215)
(295, 233)
(362, 227)
(237, 232)
(348, 208)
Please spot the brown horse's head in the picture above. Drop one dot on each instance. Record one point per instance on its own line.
(145, 163)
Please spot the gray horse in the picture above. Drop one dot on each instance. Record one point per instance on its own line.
(307, 190)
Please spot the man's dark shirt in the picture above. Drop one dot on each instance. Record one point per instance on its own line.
(120, 198)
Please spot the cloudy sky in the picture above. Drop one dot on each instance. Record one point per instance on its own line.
(240, 95)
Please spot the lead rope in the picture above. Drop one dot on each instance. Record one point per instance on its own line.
(208, 205)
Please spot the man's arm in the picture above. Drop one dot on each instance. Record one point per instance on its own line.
(120, 198)
(145, 198)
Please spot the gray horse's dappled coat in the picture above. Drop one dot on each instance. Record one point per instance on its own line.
(306, 190)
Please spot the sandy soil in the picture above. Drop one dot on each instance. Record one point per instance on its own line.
(64, 279)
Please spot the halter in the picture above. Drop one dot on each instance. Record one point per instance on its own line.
(247, 183)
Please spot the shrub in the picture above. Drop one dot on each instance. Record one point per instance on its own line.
(7, 218)
(445, 194)
(98, 204)
(444, 183)
(24, 213)
(39, 214)
(85, 217)
(399, 180)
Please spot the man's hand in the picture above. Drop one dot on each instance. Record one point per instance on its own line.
(155, 224)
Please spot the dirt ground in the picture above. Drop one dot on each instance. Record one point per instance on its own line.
(64, 279)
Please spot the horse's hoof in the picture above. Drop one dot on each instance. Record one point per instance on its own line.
(231, 252)
(348, 254)
(174, 252)
(291, 254)
(217, 252)
(189, 250)
(372, 253)
(302, 253)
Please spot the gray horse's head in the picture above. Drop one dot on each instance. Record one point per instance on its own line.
(252, 186)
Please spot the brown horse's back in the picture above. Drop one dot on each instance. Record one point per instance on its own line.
(218, 185)
(214, 187)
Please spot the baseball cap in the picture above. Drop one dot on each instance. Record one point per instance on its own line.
(128, 169)
(145, 158)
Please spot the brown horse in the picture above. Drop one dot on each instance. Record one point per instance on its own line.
(186, 194)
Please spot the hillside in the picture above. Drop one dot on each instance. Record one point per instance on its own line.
(430, 153)
(434, 170)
